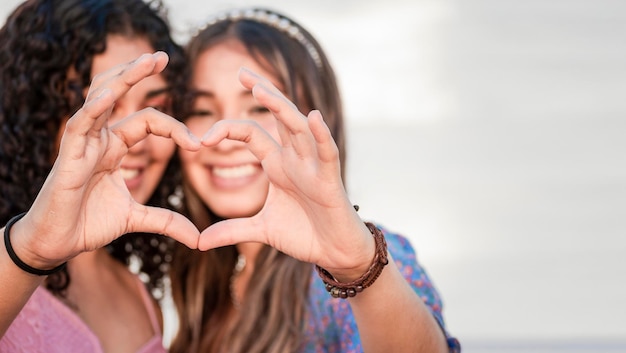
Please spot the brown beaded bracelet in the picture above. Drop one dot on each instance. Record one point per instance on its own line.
(351, 289)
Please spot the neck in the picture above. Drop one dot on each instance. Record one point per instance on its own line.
(243, 270)
(87, 263)
(89, 271)
(250, 252)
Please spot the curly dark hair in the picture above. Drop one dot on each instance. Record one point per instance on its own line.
(40, 43)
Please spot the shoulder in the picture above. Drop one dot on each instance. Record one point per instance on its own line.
(45, 324)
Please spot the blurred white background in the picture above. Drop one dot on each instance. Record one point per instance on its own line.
(493, 134)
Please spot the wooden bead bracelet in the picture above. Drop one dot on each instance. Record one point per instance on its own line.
(348, 290)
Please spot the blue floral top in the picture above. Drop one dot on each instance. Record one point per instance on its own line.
(331, 326)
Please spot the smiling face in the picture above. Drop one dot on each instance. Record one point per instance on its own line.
(228, 177)
(145, 163)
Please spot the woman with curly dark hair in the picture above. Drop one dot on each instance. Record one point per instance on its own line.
(50, 52)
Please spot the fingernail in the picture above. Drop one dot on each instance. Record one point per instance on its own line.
(262, 87)
(207, 135)
(142, 58)
(160, 53)
(193, 137)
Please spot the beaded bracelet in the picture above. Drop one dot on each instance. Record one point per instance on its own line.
(16, 260)
(351, 289)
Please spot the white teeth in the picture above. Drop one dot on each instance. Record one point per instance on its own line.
(234, 172)
(128, 174)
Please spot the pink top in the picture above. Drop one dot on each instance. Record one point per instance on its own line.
(46, 325)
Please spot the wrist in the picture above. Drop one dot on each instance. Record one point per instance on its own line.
(339, 285)
(361, 258)
(19, 248)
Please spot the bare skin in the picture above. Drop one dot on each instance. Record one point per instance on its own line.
(305, 197)
(84, 203)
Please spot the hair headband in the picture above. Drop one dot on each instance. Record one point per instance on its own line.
(273, 20)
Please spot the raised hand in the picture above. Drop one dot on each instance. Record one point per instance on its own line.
(84, 203)
(307, 213)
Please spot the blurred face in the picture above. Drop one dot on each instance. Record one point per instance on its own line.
(227, 177)
(145, 163)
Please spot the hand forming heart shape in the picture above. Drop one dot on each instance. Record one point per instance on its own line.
(84, 203)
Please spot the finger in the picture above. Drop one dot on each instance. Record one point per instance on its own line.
(297, 135)
(120, 82)
(162, 221)
(150, 121)
(79, 125)
(273, 99)
(248, 78)
(99, 79)
(292, 125)
(230, 232)
(295, 130)
(329, 165)
(101, 99)
(327, 149)
(283, 134)
(258, 141)
(129, 73)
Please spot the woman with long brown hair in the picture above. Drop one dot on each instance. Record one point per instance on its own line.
(269, 185)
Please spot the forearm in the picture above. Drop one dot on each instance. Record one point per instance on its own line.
(17, 287)
(392, 318)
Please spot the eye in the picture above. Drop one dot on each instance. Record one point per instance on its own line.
(161, 102)
(198, 113)
(259, 109)
(161, 107)
(204, 117)
(199, 120)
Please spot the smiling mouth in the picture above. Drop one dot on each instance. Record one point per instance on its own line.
(129, 174)
(239, 171)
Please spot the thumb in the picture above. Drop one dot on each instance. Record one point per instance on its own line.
(158, 220)
(230, 232)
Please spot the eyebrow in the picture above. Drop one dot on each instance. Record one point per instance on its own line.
(157, 92)
(209, 94)
(199, 93)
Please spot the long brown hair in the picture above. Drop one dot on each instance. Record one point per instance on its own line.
(273, 314)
